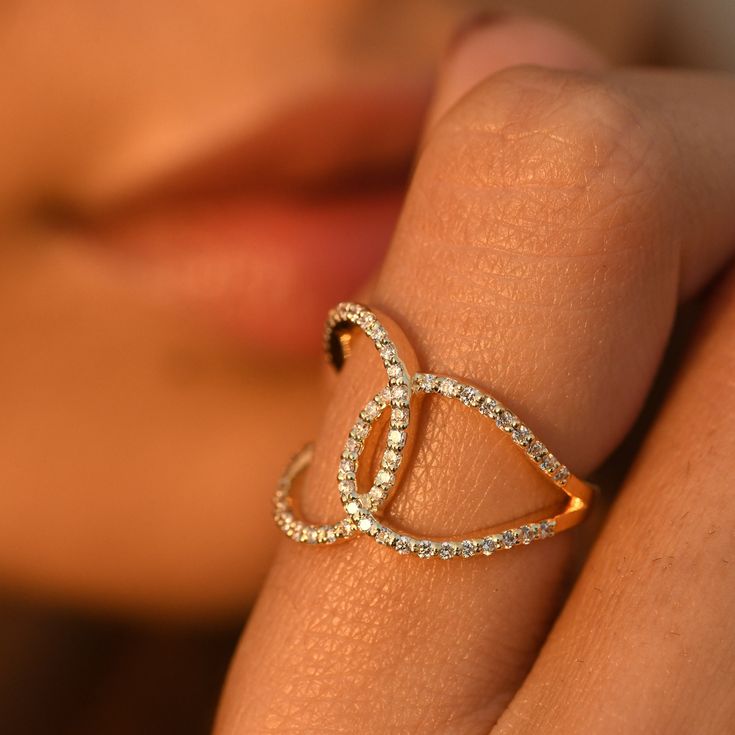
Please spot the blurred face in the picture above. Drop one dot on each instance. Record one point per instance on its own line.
(186, 188)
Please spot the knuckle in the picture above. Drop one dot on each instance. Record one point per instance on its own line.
(547, 159)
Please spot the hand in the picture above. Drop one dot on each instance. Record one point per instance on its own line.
(555, 220)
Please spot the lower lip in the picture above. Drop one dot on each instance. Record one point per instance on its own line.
(263, 270)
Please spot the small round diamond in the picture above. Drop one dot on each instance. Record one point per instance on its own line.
(526, 535)
(562, 475)
(402, 545)
(447, 550)
(471, 396)
(374, 497)
(425, 549)
(448, 387)
(396, 438)
(522, 435)
(546, 528)
(352, 448)
(386, 537)
(505, 420)
(360, 430)
(537, 451)
(487, 546)
(371, 411)
(489, 406)
(467, 549)
(399, 417)
(384, 477)
(346, 487)
(391, 459)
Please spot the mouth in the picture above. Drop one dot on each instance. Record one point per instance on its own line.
(259, 236)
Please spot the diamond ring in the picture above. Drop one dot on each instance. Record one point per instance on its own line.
(363, 508)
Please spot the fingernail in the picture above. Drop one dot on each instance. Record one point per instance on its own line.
(472, 23)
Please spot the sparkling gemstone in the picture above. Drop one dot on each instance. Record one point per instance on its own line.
(487, 546)
(447, 550)
(385, 537)
(400, 394)
(550, 464)
(505, 420)
(526, 535)
(470, 396)
(346, 487)
(537, 451)
(448, 387)
(384, 477)
(562, 475)
(365, 524)
(360, 430)
(403, 545)
(424, 549)
(399, 416)
(522, 435)
(396, 438)
(467, 549)
(388, 352)
(488, 406)
(372, 498)
(508, 539)
(352, 447)
(394, 371)
(546, 528)
(427, 382)
(371, 411)
(352, 507)
(376, 332)
(391, 459)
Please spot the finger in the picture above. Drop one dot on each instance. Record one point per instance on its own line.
(506, 40)
(546, 237)
(660, 585)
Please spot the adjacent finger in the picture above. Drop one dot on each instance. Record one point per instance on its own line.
(646, 643)
(539, 255)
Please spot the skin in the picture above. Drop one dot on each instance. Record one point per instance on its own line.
(96, 319)
(624, 208)
(557, 215)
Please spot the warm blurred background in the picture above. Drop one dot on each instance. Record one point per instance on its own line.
(130, 631)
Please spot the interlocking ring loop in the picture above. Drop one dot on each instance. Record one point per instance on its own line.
(342, 323)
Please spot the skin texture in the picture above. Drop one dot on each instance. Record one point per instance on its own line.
(557, 215)
(551, 227)
(140, 440)
(661, 576)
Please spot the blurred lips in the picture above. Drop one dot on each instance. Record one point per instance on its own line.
(265, 235)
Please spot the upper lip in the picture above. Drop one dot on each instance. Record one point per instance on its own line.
(336, 141)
